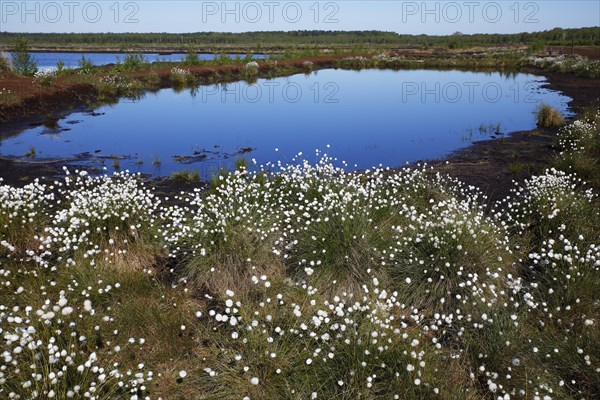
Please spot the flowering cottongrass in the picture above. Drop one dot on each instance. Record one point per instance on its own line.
(577, 64)
(579, 145)
(182, 76)
(251, 68)
(551, 204)
(300, 281)
(104, 216)
(45, 77)
(386, 61)
(22, 215)
(580, 135)
(117, 85)
(308, 66)
(47, 354)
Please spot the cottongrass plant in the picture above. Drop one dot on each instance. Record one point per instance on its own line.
(45, 77)
(104, 216)
(251, 68)
(577, 64)
(50, 350)
(579, 145)
(22, 216)
(551, 204)
(182, 77)
(300, 281)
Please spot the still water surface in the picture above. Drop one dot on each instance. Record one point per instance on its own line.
(368, 118)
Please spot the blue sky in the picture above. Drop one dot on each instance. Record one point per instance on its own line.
(412, 17)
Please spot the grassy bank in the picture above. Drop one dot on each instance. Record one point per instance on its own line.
(26, 98)
(303, 281)
(54, 91)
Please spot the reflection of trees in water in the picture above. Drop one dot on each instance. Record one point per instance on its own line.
(10, 134)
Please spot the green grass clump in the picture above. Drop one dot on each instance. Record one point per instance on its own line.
(188, 176)
(548, 117)
(181, 77)
(9, 98)
(153, 79)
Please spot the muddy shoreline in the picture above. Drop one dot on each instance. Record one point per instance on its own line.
(491, 165)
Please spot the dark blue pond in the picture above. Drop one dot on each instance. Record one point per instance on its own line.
(368, 118)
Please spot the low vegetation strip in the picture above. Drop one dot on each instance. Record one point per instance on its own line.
(304, 281)
(23, 98)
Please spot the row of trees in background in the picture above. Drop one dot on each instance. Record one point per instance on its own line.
(555, 37)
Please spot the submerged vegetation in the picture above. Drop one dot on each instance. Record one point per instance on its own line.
(304, 281)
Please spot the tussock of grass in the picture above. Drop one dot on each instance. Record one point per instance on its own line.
(190, 176)
(548, 117)
(579, 145)
(181, 77)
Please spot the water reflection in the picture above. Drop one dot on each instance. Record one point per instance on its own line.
(369, 118)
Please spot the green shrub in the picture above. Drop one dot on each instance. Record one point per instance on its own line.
(85, 65)
(4, 65)
(191, 58)
(134, 62)
(153, 79)
(23, 63)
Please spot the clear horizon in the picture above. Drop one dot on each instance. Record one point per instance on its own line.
(403, 17)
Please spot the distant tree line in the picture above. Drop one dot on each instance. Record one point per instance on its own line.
(554, 37)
